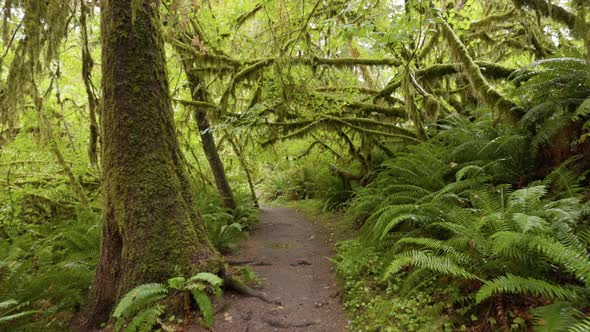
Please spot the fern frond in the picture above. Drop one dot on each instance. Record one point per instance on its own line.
(138, 298)
(210, 278)
(17, 316)
(470, 170)
(7, 304)
(205, 306)
(145, 320)
(581, 326)
(554, 317)
(565, 182)
(512, 284)
(436, 245)
(440, 264)
(572, 260)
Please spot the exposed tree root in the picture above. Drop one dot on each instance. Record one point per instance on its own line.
(233, 284)
(274, 322)
(248, 262)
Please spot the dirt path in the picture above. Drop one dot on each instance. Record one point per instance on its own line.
(290, 255)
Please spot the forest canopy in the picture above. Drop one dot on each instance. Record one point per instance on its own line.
(449, 137)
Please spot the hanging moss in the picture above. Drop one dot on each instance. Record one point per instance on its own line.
(45, 24)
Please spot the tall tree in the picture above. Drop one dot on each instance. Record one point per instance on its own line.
(151, 229)
(199, 93)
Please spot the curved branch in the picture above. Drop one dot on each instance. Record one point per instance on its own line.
(490, 95)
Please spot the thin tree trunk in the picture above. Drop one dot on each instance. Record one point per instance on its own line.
(151, 229)
(87, 64)
(238, 153)
(199, 93)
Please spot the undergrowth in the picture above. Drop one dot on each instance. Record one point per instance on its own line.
(453, 237)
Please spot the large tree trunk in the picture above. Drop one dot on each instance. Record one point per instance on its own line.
(199, 93)
(151, 229)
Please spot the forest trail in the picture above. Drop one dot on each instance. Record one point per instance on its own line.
(290, 256)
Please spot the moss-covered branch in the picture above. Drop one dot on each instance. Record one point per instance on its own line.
(367, 108)
(487, 69)
(199, 104)
(547, 9)
(478, 82)
(492, 18)
(348, 89)
(240, 76)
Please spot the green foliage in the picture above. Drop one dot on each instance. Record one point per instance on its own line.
(226, 229)
(142, 307)
(378, 306)
(46, 271)
(510, 284)
(555, 93)
(446, 210)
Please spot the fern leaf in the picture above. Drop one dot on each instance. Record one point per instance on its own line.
(8, 303)
(436, 245)
(467, 170)
(442, 265)
(145, 320)
(205, 306)
(581, 326)
(14, 317)
(512, 284)
(138, 298)
(571, 259)
(210, 278)
(554, 317)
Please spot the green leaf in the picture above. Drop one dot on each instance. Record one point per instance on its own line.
(511, 284)
(177, 282)
(138, 298)
(527, 223)
(205, 306)
(211, 278)
(16, 316)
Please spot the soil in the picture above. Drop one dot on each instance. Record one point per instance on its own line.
(290, 255)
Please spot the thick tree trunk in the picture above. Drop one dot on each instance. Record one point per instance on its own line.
(200, 94)
(151, 230)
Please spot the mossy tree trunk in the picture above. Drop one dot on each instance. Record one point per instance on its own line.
(199, 93)
(238, 151)
(151, 230)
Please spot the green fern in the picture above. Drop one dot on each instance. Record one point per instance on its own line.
(511, 284)
(581, 326)
(140, 309)
(8, 315)
(439, 264)
(555, 317)
(145, 320)
(205, 306)
(139, 298)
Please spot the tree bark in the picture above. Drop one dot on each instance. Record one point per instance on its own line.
(151, 229)
(199, 93)
(244, 165)
(87, 65)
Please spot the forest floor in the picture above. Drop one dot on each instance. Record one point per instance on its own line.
(290, 256)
